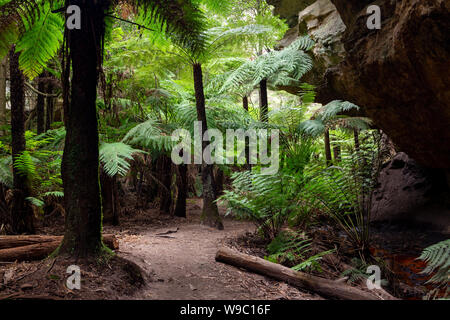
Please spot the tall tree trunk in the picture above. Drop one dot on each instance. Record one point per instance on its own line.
(182, 185)
(327, 147)
(3, 92)
(110, 197)
(263, 101)
(245, 103)
(40, 101)
(21, 211)
(247, 140)
(219, 181)
(80, 166)
(356, 138)
(337, 153)
(210, 214)
(50, 106)
(165, 177)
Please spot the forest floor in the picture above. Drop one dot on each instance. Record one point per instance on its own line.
(171, 258)
(176, 257)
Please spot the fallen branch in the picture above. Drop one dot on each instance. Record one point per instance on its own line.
(324, 287)
(29, 248)
(7, 242)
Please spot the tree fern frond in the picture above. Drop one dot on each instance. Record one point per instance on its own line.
(114, 158)
(40, 42)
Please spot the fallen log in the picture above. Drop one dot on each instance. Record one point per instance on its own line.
(7, 242)
(324, 287)
(42, 249)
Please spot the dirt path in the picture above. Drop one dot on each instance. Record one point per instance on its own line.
(181, 265)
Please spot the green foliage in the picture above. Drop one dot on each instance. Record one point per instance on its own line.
(6, 176)
(40, 42)
(345, 192)
(150, 135)
(268, 200)
(281, 68)
(330, 116)
(292, 249)
(115, 157)
(437, 258)
(288, 248)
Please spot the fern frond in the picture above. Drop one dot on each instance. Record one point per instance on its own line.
(40, 42)
(114, 158)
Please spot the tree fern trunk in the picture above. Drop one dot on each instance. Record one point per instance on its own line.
(40, 104)
(356, 138)
(263, 101)
(245, 103)
(49, 106)
(327, 148)
(165, 177)
(80, 165)
(180, 207)
(21, 212)
(210, 213)
(247, 147)
(3, 93)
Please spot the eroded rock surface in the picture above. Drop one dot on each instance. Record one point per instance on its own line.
(407, 191)
(399, 74)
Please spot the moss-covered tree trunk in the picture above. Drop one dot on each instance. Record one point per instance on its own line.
(263, 101)
(21, 212)
(210, 214)
(182, 185)
(80, 165)
(40, 104)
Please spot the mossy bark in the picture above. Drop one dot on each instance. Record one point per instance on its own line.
(21, 211)
(80, 165)
(210, 213)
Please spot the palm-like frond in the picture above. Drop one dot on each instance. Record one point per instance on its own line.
(149, 135)
(279, 67)
(40, 42)
(114, 158)
(181, 19)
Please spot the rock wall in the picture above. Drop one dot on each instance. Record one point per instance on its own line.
(407, 191)
(398, 75)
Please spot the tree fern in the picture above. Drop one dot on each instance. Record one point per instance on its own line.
(114, 158)
(149, 135)
(279, 67)
(40, 42)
